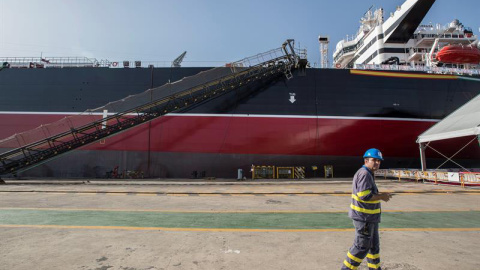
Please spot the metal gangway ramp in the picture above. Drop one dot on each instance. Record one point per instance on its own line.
(32, 148)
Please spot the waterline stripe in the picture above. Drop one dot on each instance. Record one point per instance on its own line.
(244, 115)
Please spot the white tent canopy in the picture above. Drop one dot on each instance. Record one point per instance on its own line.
(465, 121)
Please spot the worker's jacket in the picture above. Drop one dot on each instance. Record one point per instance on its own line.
(363, 188)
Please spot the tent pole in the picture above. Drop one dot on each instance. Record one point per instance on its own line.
(422, 156)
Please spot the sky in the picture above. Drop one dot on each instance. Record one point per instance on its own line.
(213, 32)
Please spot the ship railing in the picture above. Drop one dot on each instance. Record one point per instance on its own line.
(164, 64)
(286, 54)
(461, 178)
(256, 59)
(47, 62)
(70, 62)
(444, 37)
(301, 53)
(434, 70)
(65, 62)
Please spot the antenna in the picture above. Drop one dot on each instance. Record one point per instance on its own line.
(368, 10)
(323, 40)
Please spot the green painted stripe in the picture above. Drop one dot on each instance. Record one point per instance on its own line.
(465, 219)
(231, 230)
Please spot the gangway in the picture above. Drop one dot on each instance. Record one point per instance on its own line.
(241, 73)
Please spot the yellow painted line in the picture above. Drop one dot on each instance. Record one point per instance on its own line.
(169, 229)
(402, 75)
(177, 195)
(430, 210)
(320, 193)
(431, 229)
(227, 229)
(176, 210)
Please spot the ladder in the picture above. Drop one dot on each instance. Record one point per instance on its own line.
(33, 154)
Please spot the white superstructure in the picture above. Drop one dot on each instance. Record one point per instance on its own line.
(400, 39)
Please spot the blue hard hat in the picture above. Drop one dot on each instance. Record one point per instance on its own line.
(373, 153)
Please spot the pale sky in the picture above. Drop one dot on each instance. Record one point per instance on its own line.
(211, 31)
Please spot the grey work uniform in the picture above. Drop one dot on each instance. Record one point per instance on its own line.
(366, 216)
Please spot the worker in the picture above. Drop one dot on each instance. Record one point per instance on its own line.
(365, 212)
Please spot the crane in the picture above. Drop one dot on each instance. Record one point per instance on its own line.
(177, 62)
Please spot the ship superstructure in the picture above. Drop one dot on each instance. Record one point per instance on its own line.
(402, 41)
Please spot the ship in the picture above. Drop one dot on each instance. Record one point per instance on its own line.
(388, 84)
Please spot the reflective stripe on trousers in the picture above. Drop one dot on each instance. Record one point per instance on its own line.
(366, 244)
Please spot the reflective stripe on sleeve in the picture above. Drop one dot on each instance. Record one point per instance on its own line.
(366, 211)
(364, 193)
(360, 200)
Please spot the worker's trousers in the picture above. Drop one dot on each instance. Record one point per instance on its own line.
(366, 244)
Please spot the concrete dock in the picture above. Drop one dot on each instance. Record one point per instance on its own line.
(228, 224)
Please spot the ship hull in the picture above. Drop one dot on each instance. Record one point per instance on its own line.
(322, 117)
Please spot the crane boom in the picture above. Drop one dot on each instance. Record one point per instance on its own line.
(178, 61)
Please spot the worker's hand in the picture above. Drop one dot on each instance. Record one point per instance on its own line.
(385, 196)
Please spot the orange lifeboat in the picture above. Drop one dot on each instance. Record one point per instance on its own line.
(458, 54)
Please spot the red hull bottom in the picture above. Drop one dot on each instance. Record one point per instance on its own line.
(265, 140)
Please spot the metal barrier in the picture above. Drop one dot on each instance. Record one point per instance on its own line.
(328, 171)
(300, 172)
(438, 177)
(469, 178)
(291, 172)
(285, 172)
(442, 176)
(263, 172)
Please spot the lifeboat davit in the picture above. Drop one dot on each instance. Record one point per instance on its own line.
(458, 54)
